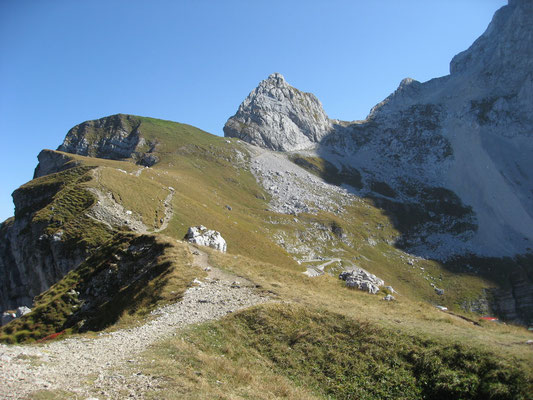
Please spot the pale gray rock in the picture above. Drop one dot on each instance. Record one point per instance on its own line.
(440, 292)
(113, 137)
(22, 310)
(361, 279)
(389, 297)
(9, 316)
(204, 237)
(51, 162)
(278, 116)
(466, 136)
(390, 289)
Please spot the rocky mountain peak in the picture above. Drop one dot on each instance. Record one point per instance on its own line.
(278, 116)
(276, 78)
(112, 137)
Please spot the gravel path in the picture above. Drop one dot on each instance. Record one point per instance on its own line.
(71, 363)
(168, 210)
(111, 213)
(319, 269)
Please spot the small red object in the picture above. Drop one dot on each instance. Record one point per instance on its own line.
(50, 337)
(490, 318)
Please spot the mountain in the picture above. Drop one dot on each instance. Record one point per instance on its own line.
(278, 116)
(465, 137)
(399, 205)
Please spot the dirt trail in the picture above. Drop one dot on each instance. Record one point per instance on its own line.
(168, 210)
(113, 214)
(72, 363)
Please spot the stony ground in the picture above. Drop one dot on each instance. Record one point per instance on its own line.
(293, 189)
(88, 367)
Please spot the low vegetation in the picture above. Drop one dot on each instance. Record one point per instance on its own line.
(254, 353)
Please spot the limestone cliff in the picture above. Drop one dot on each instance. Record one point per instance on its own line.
(49, 235)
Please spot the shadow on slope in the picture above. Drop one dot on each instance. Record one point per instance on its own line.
(125, 279)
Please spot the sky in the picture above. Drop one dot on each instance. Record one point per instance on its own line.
(63, 62)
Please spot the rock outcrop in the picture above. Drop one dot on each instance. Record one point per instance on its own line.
(469, 132)
(361, 279)
(279, 117)
(9, 316)
(115, 137)
(204, 237)
(34, 252)
(51, 162)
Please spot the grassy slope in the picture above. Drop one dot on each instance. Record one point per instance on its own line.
(253, 353)
(206, 172)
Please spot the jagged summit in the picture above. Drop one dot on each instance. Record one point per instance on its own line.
(278, 116)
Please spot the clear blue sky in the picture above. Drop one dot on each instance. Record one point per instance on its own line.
(63, 62)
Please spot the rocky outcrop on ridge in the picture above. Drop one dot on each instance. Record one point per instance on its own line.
(51, 162)
(35, 252)
(278, 116)
(115, 137)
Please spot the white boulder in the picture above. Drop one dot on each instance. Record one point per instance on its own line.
(22, 310)
(205, 237)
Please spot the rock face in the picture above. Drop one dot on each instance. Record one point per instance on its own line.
(115, 137)
(205, 237)
(469, 132)
(51, 162)
(30, 259)
(112, 137)
(10, 316)
(279, 117)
